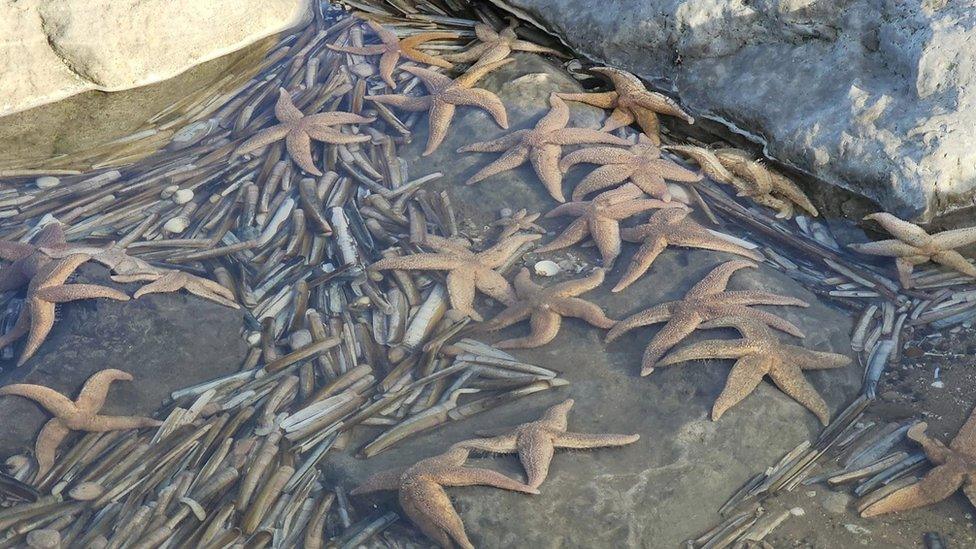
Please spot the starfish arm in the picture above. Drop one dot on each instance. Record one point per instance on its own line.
(716, 281)
(486, 33)
(512, 159)
(545, 160)
(371, 49)
(601, 178)
(969, 488)
(285, 110)
(677, 328)
(387, 36)
(936, 486)
(713, 348)
(584, 136)
(575, 287)
(648, 122)
(789, 378)
(743, 380)
(409, 45)
(417, 262)
(382, 481)
(438, 122)
(535, 450)
(262, 139)
(118, 423)
(556, 118)
(579, 308)
(50, 236)
(387, 64)
(634, 207)
(657, 313)
(817, 360)
(336, 137)
(93, 393)
(706, 160)
(544, 327)
(333, 118)
(937, 452)
(511, 315)
(12, 251)
(480, 69)
(429, 508)
(619, 118)
(524, 45)
(965, 440)
(595, 155)
(569, 208)
(887, 248)
(662, 104)
(584, 441)
(956, 238)
(472, 476)
(52, 401)
(209, 285)
(955, 260)
(495, 286)
(485, 100)
(698, 237)
(41, 322)
(788, 189)
(46, 447)
(603, 100)
(652, 184)
(502, 444)
(472, 54)
(902, 230)
(500, 144)
(498, 254)
(757, 297)
(905, 266)
(576, 231)
(645, 256)
(21, 327)
(433, 80)
(745, 313)
(673, 172)
(460, 288)
(405, 102)
(606, 236)
(299, 146)
(200, 290)
(74, 292)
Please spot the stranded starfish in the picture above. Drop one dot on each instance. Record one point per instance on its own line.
(467, 270)
(545, 307)
(955, 468)
(298, 130)
(521, 220)
(27, 259)
(641, 164)
(765, 180)
(80, 415)
(707, 300)
(630, 101)
(671, 226)
(541, 146)
(496, 46)
(913, 246)
(444, 95)
(46, 290)
(759, 354)
(392, 48)
(421, 492)
(536, 441)
(600, 217)
(171, 280)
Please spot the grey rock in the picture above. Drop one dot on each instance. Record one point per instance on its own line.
(876, 97)
(166, 341)
(670, 484)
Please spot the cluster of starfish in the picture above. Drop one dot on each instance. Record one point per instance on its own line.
(44, 265)
(420, 487)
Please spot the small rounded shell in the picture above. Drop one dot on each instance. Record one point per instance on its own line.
(47, 181)
(546, 268)
(176, 225)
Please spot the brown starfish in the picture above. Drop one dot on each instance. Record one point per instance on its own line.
(496, 45)
(171, 280)
(759, 354)
(641, 164)
(600, 217)
(536, 441)
(421, 492)
(46, 290)
(298, 130)
(706, 300)
(671, 226)
(28, 258)
(80, 415)
(913, 246)
(630, 101)
(467, 270)
(521, 220)
(541, 146)
(444, 95)
(955, 467)
(392, 48)
(546, 307)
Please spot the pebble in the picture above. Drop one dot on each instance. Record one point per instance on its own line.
(546, 268)
(176, 225)
(855, 529)
(836, 502)
(506, 212)
(47, 181)
(183, 196)
(938, 384)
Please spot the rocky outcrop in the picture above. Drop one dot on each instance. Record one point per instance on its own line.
(54, 49)
(876, 97)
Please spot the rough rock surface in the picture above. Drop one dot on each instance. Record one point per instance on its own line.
(876, 97)
(669, 485)
(166, 341)
(54, 49)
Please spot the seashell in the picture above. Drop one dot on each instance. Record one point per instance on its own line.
(86, 491)
(168, 191)
(183, 196)
(362, 70)
(176, 225)
(546, 268)
(506, 212)
(47, 181)
(44, 539)
(299, 339)
(191, 134)
(253, 338)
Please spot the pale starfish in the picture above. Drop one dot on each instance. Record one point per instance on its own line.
(706, 300)
(541, 146)
(46, 290)
(600, 217)
(496, 45)
(298, 130)
(545, 308)
(420, 491)
(536, 441)
(171, 280)
(467, 270)
(80, 415)
(671, 227)
(28, 258)
(444, 95)
(758, 353)
(392, 48)
(521, 220)
(955, 468)
(913, 246)
(641, 164)
(766, 180)
(630, 101)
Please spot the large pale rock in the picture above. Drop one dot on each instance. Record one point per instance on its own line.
(52, 49)
(876, 97)
(670, 484)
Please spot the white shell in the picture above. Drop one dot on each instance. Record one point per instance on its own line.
(183, 196)
(168, 191)
(44, 539)
(253, 338)
(546, 268)
(299, 339)
(192, 133)
(176, 225)
(47, 181)
(86, 491)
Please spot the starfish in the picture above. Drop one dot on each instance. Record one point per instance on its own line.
(467, 270)
(46, 290)
(171, 280)
(496, 45)
(706, 300)
(630, 101)
(955, 468)
(28, 258)
(444, 95)
(521, 220)
(536, 441)
(600, 217)
(298, 130)
(392, 48)
(766, 180)
(80, 415)
(759, 354)
(545, 308)
(541, 146)
(671, 226)
(641, 164)
(421, 492)
(913, 246)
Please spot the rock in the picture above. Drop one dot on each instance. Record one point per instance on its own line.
(669, 485)
(875, 98)
(836, 502)
(54, 49)
(166, 341)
